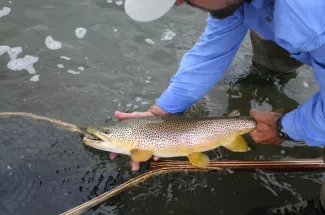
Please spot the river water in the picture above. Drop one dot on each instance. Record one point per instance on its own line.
(79, 61)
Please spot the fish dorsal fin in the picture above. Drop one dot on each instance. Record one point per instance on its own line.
(199, 159)
(233, 113)
(236, 144)
(140, 155)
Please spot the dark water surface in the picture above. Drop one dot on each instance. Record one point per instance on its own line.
(125, 66)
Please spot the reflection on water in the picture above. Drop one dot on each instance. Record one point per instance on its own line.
(79, 62)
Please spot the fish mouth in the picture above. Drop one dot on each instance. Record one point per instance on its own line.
(93, 137)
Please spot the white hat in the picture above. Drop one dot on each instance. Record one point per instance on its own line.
(147, 10)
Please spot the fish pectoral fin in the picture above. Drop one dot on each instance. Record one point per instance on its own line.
(199, 159)
(140, 155)
(237, 144)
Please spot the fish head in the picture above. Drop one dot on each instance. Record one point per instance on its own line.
(110, 138)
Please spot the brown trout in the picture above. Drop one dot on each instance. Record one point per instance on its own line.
(172, 136)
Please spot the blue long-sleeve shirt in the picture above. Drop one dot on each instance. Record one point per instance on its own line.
(296, 25)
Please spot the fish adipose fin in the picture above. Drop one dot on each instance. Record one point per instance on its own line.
(199, 159)
(237, 144)
(140, 155)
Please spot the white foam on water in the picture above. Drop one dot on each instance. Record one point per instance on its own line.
(119, 2)
(34, 78)
(138, 99)
(73, 72)
(305, 84)
(65, 58)
(52, 44)
(271, 184)
(81, 68)
(147, 81)
(109, 1)
(10, 2)
(115, 30)
(135, 107)
(5, 11)
(80, 32)
(14, 52)
(149, 41)
(167, 35)
(26, 63)
(128, 105)
(60, 66)
(4, 49)
(9, 167)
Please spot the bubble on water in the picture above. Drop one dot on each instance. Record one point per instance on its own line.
(147, 81)
(149, 41)
(86, 58)
(119, 2)
(34, 78)
(65, 58)
(4, 49)
(73, 72)
(144, 103)
(149, 78)
(81, 68)
(135, 107)
(167, 35)
(14, 52)
(109, 1)
(60, 66)
(52, 44)
(10, 2)
(305, 84)
(138, 99)
(26, 63)
(80, 32)
(283, 152)
(115, 30)
(128, 105)
(5, 11)
(9, 167)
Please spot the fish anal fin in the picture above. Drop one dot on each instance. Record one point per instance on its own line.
(236, 144)
(140, 155)
(199, 159)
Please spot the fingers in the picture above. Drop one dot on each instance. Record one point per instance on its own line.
(112, 156)
(121, 115)
(135, 165)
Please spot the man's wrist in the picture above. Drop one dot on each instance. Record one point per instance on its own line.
(280, 130)
(157, 111)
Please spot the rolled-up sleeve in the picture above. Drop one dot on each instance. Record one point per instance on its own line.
(204, 65)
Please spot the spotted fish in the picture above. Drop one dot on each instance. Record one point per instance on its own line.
(172, 136)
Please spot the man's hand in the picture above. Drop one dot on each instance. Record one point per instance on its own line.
(266, 131)
(153, 111)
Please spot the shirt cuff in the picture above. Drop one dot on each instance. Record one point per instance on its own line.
(291, 126)
(171, 104)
